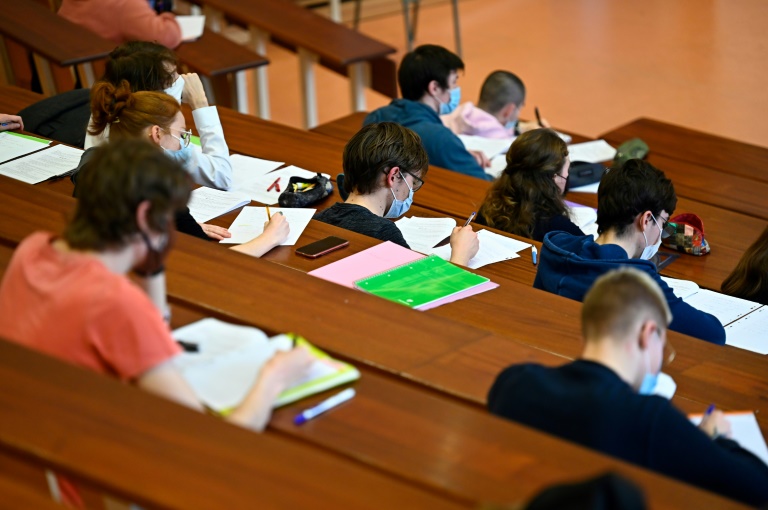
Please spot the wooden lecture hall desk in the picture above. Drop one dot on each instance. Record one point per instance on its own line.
(397, 426)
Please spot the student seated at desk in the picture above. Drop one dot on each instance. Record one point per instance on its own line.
(384, 165)
(123, 20)
(69, 296)
(634, 203)
(157, 117)
(8, 122)
(527, 198)
(601, 400)
(502, 96)
(151, 67)
(750, 278)
(427, 77)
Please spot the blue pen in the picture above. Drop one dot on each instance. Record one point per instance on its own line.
(4, 124)
(324, 406)
(534, 253)
(709, 410)
(471, 217)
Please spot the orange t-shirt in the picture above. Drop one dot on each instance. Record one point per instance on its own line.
(69, 305)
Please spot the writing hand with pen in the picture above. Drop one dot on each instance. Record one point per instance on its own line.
(8, 122)
(464, 243)
(715, 424)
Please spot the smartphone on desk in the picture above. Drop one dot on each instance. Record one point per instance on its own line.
(321, 247)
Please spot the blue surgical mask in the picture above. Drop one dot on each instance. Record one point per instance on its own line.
(182, 155)
(648, 384)
(176, 89)
(511, 125)
(400, 207)
(453, 102)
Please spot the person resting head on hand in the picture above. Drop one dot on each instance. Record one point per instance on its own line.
(384, 165)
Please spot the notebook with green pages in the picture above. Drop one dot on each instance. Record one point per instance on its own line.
(222, 362)
(418, 283)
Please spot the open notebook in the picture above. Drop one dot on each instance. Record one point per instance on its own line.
(229, 358)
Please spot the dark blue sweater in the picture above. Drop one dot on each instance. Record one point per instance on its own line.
(589, 404)
(443, 147)
(569, 265)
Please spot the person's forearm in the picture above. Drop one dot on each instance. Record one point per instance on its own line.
(256, 409)
(255, 247)
(154, 286)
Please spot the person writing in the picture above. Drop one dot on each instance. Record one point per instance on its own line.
(384, 165)
(527, 198)
(9, 122)
(602, 400)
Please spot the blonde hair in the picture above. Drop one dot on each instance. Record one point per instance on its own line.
(618, 301)
(128, 113)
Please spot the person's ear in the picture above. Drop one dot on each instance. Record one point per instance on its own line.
(434, 88)
(156, 134)
(643, 221)
(392, 175)
(647, 330)
(510, 111)
(142, 215)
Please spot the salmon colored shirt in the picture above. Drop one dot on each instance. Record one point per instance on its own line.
(71, 306)
(123, 20)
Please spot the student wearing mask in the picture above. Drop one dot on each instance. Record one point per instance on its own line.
(750, 278)
(151, 67)
(601, 400)
(634, 203)
(497, 113)
(428, 82)
(157, 118)
(384, 165)
(527, 198)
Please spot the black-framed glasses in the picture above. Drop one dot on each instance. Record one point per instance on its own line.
(664, 227)
(418, 182)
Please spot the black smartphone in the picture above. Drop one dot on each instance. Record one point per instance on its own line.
(321, 247)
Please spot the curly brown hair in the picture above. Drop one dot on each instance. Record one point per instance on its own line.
(750, 278)
(526, 192)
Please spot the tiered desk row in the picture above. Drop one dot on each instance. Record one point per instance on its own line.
(416, 435)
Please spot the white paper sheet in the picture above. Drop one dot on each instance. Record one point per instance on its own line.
(493, 248)
(498, 165)
(595, 151)
(488, 146)
(682, 288)
(582, 216)
(726, 308)
(208, 203)
(43, 165)
(422, 234)
(250, 223)
(745, 431)
(587, 188)
(750, 332)
(256, 185)
(191, 27)
(12, 146)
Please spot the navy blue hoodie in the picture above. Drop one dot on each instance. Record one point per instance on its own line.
(443, 147)
(570, 264)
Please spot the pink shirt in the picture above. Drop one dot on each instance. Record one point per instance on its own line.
(468, 119)
(123, 20)
(69, 305)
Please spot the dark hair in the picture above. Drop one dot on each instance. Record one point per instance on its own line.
(526, 192)
(424, 64)
(635, 187)
(750, 278)
(376, 149)
(120, 175)
(129, 113)
(145, 65)
(500, 89)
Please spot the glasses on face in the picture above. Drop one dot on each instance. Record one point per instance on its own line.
(418, 182)
(663, 227)
(184, 138)
(669, 354)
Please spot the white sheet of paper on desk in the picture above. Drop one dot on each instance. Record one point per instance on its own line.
(498, 165)
(247, 172)
(258, 185)
(250, 223)
(191, 27)
(422, 234)
(208, 203)
(744, 430)
(493, 248)
(12, 145)
(750, 332)
(726, 308)
(43, 165)
(587, 188)
(582, 216)
(595, 151)
(489, 146)
(682, 288)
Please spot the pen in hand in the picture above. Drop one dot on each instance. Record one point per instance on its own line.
(269, 214)
(471, 217)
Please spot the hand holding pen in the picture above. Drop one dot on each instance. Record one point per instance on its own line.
(715, 424)
(8, 122)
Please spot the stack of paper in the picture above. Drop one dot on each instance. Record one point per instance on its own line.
(229, 358)
(591, 152)
(13, 145)
(491, 147)
(493, 248)
(208, 203)
(744, 430)
(59, 160)
(422, 234)
(250, 224)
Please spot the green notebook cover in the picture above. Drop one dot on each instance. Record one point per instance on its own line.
(420, 282)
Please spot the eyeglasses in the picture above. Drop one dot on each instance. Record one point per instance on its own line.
(669, 354)
(184, 138)
(418, 182)
(664, 227)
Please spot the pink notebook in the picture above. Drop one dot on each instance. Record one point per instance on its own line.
(378, 259)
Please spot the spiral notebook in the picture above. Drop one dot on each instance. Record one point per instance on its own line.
(421, 282)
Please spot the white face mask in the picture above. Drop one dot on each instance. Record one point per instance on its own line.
(176, 89)
(650, 251)
(400, 207)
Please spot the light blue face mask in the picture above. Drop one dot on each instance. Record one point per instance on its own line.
(453, 102)
(400, 207)
(182, 155)
(648, 384)
(511, 125)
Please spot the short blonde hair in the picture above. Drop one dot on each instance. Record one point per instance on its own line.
(618, 301)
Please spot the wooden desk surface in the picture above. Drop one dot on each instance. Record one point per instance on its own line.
(214, 55)
(15, 99)
(302, 28)
(697, 147)
(36, 27)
